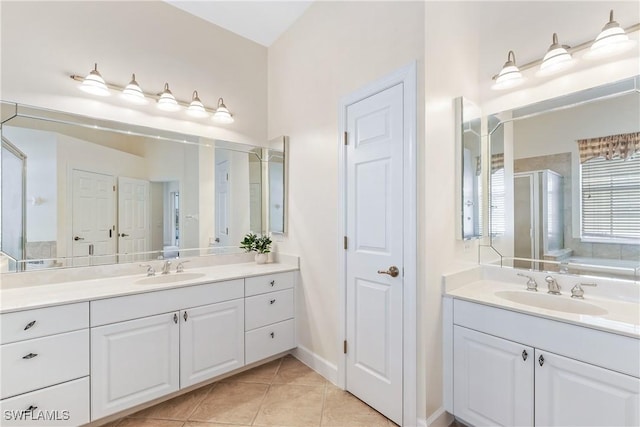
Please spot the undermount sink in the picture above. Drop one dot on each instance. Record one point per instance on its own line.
(552, 302)
(169, 278)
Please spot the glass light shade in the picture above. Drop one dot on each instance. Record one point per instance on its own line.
(556, 59)
(196, 108)
(612, 40)
(94, 83)
(133, 93)
(222, 114)
(510, 75)
(167, 101)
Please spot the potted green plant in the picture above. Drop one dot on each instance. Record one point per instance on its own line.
(259, 244)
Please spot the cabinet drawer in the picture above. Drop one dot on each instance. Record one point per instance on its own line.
(269, 340)
(131, 307)
(28, 324)
(269, 283)
(265, 309)
(41, 362)
(64, 404)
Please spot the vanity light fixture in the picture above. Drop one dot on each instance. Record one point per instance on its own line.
(510, 75)
(222, 114)
(611, 40)
(196, 108)
(556, 59)
(94, 83)
(133, 93)
(167, 101)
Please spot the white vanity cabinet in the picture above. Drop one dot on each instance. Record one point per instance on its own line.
(511, 369)
(44, 356)
(135, 361)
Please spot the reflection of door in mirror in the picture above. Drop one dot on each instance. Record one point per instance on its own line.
(13, 201)
(276, 194)
(92, 218)
(222, 199)
(165, 218)
(134, 233)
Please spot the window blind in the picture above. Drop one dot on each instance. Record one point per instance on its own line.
(611, 198)
(497, 226)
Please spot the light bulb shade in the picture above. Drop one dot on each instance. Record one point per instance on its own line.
(167, 101)
(222, 114)
(196, 108)
(133, 93)
(612, 40)
(556, 59)
(510, 75)
(94, 83)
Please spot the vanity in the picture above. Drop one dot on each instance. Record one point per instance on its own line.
(528, 358)
(82, 350)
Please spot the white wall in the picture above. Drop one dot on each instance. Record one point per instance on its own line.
(43, 42)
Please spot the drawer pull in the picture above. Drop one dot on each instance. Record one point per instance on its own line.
(273, 335)
(272, 283)
(31, 408)
(272, 301)
(30, 325)
(30, 356)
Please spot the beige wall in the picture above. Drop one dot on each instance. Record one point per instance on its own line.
(43, 42)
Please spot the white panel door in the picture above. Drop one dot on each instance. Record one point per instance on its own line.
(133, 362)
(134, 232)
(222, 203)
(573, 393)
(492, 380)
(374, 158)
(211, 341)
(93, 218)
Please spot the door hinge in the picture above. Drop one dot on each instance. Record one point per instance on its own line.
(346, 138)
(114, 188)
(344, 346)
(345, 243)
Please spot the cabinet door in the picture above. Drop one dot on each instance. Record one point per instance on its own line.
(492, 380)
(211, 341)
(573, 393)
(133, 362)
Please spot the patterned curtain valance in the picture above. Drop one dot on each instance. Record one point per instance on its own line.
(620, 146)
(497, 162)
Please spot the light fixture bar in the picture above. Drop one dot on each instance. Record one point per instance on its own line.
(572, 49)
(154, 96)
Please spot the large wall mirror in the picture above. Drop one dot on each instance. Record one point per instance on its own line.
(78, 191)
(565, 183)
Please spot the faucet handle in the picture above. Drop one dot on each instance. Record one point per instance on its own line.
(180, 267)
(532, 285)
(150, 270)
(578, 292)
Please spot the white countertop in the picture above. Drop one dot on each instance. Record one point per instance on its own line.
(30, 297)
(623, 315)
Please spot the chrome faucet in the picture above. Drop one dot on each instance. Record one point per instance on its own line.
(166, 267)
(578, 292)
(180, 267)
(554, 287)
(531, 283)
(150, 270)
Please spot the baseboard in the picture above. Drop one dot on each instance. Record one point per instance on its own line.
(440, 418)
(422, 422)
(317, 363)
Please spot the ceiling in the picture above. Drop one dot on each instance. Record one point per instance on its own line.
(260, 21)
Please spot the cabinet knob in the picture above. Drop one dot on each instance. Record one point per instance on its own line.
(272, 301)
(30, 356)
(185, 316)
(541, 360)
(272, 283)
(524, 354)
(175, 318)
(273, 335)
(30, 325)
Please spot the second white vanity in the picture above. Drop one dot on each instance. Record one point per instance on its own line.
(522, 358)
(83, 350)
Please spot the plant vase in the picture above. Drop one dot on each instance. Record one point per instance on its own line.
(261, 258)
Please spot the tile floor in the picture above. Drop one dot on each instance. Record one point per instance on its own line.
(284, 393)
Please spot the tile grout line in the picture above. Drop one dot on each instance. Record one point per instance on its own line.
(324, 402)
(197, 405)
(266, 392)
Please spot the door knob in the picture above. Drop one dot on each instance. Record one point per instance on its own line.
(124, 235)
(392, 271)
(78, 238)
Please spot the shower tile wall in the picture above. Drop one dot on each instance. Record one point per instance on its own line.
(561, 163)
